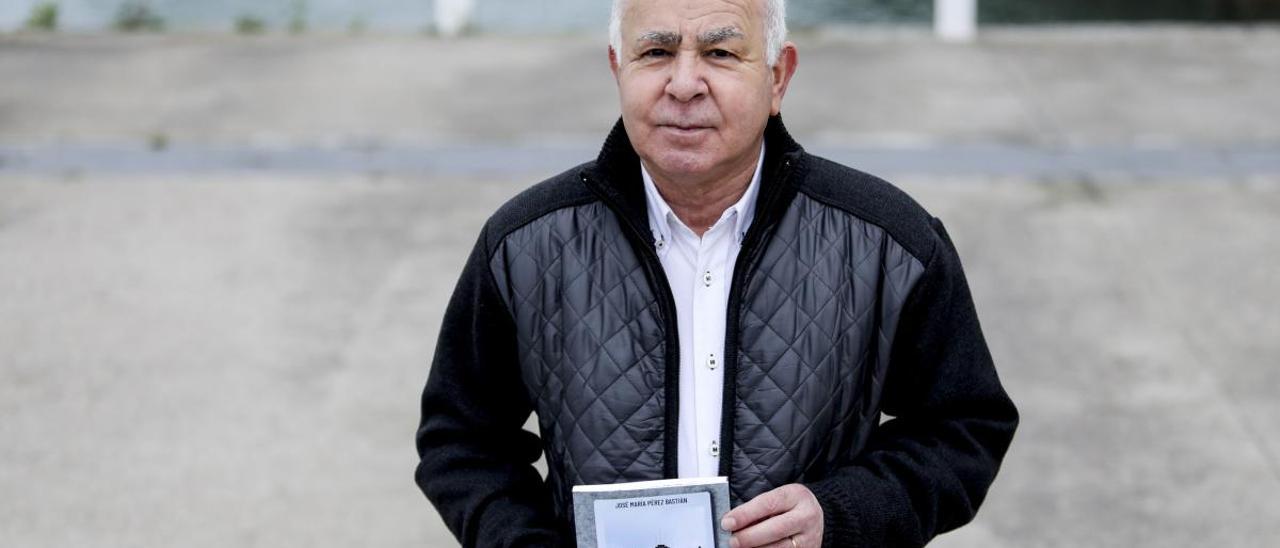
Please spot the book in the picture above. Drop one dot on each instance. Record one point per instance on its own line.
(674, 513)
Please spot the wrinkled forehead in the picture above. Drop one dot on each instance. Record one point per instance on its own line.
(694, 17)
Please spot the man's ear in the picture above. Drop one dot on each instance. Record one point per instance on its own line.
(783, 70)
(613, 63)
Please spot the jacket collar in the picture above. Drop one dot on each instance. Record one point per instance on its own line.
(616, 175)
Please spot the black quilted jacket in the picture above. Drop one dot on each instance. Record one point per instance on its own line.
(848, 302)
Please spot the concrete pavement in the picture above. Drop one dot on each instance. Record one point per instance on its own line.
(232, 357)
(1045, 86)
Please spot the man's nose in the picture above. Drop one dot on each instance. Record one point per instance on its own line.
(687, 82)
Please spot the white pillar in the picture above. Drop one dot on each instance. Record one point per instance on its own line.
(955, 20)
(452, 16)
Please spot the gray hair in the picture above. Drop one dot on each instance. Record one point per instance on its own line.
(775, 28)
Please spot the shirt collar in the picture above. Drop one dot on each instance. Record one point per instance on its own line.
(661, 216)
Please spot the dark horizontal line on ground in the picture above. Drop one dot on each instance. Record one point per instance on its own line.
(497, 159)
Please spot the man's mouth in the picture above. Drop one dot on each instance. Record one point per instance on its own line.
(682, 128)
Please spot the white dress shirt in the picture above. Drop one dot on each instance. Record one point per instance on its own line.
(699, 271)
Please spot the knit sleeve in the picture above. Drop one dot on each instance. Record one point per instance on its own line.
(926, 471)
(475, 459)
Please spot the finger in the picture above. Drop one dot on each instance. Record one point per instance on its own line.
(803, 540)
(777, 528)
(770, 503)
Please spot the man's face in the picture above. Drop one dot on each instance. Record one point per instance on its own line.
(695, 86)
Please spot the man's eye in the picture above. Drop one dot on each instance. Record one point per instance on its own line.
(655, 52)
(719, 54)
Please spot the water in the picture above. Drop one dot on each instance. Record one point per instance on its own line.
(578, 15)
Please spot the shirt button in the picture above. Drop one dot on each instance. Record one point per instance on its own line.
(706, 278)
(715, 448)
(711, 362)
(660, 244)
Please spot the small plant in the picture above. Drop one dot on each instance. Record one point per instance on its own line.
(357, 25)
(44, 16)
(298, 16)
(157, 141)
(137, 15)
(249, 24)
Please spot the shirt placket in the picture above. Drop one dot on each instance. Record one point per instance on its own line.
(709, 304)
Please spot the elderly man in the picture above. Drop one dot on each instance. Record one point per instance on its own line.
(706, 298)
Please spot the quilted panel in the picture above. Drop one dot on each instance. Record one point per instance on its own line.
(591, 346)
(817, 324)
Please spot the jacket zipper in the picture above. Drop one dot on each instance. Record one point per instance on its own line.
(747, 256)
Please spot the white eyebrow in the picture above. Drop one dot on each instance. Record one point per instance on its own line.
(715, 36)
(659, 37)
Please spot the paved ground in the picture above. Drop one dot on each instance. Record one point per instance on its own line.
(232, 357)
(1053, 87)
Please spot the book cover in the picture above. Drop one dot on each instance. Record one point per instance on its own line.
(676, 513)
